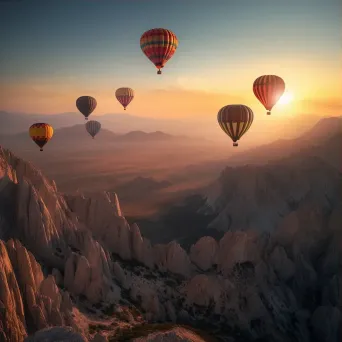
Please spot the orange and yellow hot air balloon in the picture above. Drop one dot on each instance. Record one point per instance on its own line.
(268, 89)
(159, 45)
(235, 120)
(41, 133)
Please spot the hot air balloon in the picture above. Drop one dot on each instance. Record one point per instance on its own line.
(93, 127)
(86, 105)
(41, 133)
(158, 45)
(124, 96)
(235, 121)
(268, 89)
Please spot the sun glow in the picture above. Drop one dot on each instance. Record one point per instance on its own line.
(285, 99)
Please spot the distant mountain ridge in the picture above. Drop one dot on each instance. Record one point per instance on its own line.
(14, 123)
(77, 134)
(324, 130)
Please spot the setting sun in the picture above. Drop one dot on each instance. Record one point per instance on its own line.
(286, 98)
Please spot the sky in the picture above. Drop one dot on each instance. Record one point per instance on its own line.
(53, 51)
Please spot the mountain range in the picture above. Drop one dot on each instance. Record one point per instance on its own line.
(73, 268)
(13, 123)
(78, 136)
(320, 139)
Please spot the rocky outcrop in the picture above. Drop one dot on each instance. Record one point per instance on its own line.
(261, 197)
(204, 253)
(173, 335)
(28, 300)
(273, 285)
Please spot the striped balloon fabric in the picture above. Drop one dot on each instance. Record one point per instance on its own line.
(93, 127)
(268, 89)
(159, 45)
(235, 120)
(41, 133)
(124, 96)
(86, 105)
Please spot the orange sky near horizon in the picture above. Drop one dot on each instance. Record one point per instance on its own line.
(315, 87)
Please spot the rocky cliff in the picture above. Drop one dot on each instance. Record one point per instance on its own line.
(75, 261)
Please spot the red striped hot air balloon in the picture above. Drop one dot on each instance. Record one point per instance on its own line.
(159, 45)
(235, 120)
(124, 96)
(86, 105)
(268, 89)
(41, 133)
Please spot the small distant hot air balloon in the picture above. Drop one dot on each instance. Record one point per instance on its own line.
(93, 127)
(124, 96)
(268, 89)
(86, 105)
(235, 120)
(158, 45)
(41, 133)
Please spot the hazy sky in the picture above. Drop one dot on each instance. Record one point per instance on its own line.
(53, 51)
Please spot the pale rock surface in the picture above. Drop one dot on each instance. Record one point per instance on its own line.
(25, 286)
(237, 247)
(141, 248)
(204, 253)
(172, 257)
(174, 335)
(12, 323)
(202, 289)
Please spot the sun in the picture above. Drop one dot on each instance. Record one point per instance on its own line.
(285, 98)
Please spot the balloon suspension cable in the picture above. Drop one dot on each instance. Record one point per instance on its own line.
(235, 144)
(93, 137)
(159, 72)
(268, 112)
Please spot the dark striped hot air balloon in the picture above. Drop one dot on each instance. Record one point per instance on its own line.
(268, 89)
(41, 133)
(235, 120)
(93, 127)
(86, 105)
(124, 96)
(159, 45)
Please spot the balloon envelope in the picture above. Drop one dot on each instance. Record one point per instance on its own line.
(93, 127)
(235, 120)
(268, 89)
(124, 96)
(159, 45)
(41, 133)
(86, 105)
